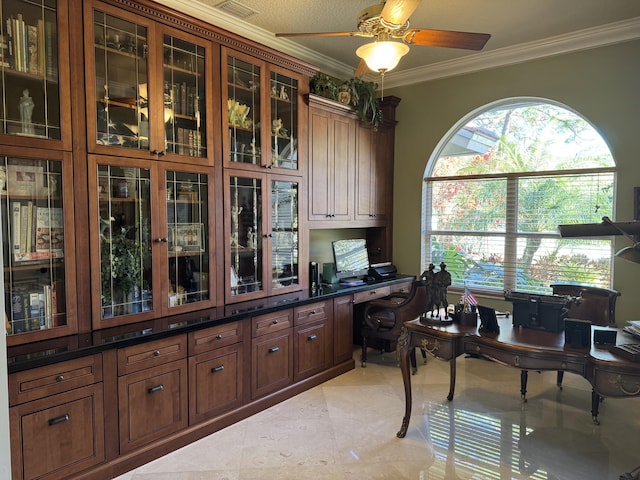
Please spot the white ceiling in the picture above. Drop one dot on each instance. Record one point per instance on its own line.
(520, 30)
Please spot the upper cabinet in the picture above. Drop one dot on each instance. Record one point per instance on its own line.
(262, 114)
(149, 88)
(152, 239)
(38, 245)
(34, 78)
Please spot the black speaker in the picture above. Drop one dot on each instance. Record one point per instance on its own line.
(314, 276)
(577, 333)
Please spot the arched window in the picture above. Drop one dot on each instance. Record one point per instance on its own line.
(498, 186)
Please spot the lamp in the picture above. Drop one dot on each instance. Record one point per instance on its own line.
(632, 253)
(382, 56)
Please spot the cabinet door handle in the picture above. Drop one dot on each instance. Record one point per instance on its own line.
(217, 368)
(268, 235)
(59, 378)
(312, 337)
(162, 240)
(156, 353)
(274, 349)
(218, 337)
(275, 322)
(157, 388)
(60, 419)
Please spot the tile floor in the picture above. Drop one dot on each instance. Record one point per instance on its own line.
(346, 428)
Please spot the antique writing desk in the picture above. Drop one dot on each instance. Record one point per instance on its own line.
(527, 349)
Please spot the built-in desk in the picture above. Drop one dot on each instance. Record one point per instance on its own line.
(523, 348)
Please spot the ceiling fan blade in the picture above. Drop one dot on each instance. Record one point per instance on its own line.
(446, 38)
(397, 12)
(361, 69)
(320, 34)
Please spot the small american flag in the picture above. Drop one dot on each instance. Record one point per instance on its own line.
(469, 298)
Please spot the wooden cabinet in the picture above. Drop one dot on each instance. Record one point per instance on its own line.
(271, 353)
(38, 245)
(151, 238)
(148, 88)
(152, 391)
(56, 419)
(374, 175)
(312, 338)
(34, 79)
(259, 94)
(332, 144)
(263, 241)
(342, 329)
(216, 371)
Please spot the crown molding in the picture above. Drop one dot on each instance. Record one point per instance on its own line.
(609, 34)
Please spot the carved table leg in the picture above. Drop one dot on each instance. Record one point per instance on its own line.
(595, 405)
(524, 376)
(404, 343)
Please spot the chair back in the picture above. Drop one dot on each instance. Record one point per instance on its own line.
(597, 305)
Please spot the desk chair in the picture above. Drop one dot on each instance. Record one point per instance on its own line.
(597, 305)
(383, 318)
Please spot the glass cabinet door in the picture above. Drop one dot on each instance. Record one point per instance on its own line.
(184, 97)
(124, 241)
(121, 82)
(245, 235)
(243, 110)
(29, 75)
(284, 234)
(188, 257)
(37, 240)
(283, 95)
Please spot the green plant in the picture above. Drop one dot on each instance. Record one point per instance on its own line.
(323, 85)
(122, 259)
(365, 101)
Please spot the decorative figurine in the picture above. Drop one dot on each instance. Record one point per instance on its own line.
(251, 238)
(26, 110)
(283, 93)
(3, 177)
(235, 213)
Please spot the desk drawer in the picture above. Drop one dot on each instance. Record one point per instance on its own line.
(57, 378)
(150, 354)
(310, 313)
(372, 294)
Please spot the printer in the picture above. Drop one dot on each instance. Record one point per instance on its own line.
(383, 271)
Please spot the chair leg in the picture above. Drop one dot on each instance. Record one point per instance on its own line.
(524, 376)
(559, 379)
(363, 357)
(424, 355)
(414, 364)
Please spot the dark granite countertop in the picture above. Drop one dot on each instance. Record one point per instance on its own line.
(36, 354)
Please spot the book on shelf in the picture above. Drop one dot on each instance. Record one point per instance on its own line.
(38, 232)
(49, 237)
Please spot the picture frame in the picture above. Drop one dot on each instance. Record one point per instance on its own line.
(26, 180)
(186, 237)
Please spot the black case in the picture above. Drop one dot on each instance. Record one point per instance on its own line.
(541, 312)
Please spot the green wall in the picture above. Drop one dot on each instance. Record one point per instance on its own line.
(601, 84)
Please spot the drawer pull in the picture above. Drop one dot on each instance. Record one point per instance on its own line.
(312, 337)
(217, 368)
(156, 353)
(157, 388)
(59, 378)
(274, 349)
(218, 337)
(373, 292)
(60, 419)
(275, 322)
(312, 312)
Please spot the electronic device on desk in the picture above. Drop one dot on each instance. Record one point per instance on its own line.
(541, 312)
(383, 271)
(352, 261)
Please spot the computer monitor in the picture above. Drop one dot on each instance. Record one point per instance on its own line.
(351, 259)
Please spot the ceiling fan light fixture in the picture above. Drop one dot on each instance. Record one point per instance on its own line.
(382, 56)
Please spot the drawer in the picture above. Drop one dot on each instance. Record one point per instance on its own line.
(404, 287)
(149, 354)
(310, 313)
(271, 322)
(215, 337)
(372, 294)
(57, 378)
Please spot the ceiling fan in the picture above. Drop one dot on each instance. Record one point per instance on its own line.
(388, 22)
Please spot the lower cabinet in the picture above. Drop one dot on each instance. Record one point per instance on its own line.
(56, 419)
(271, 353)
(215, 373)
(152, 392)
(312, 339)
